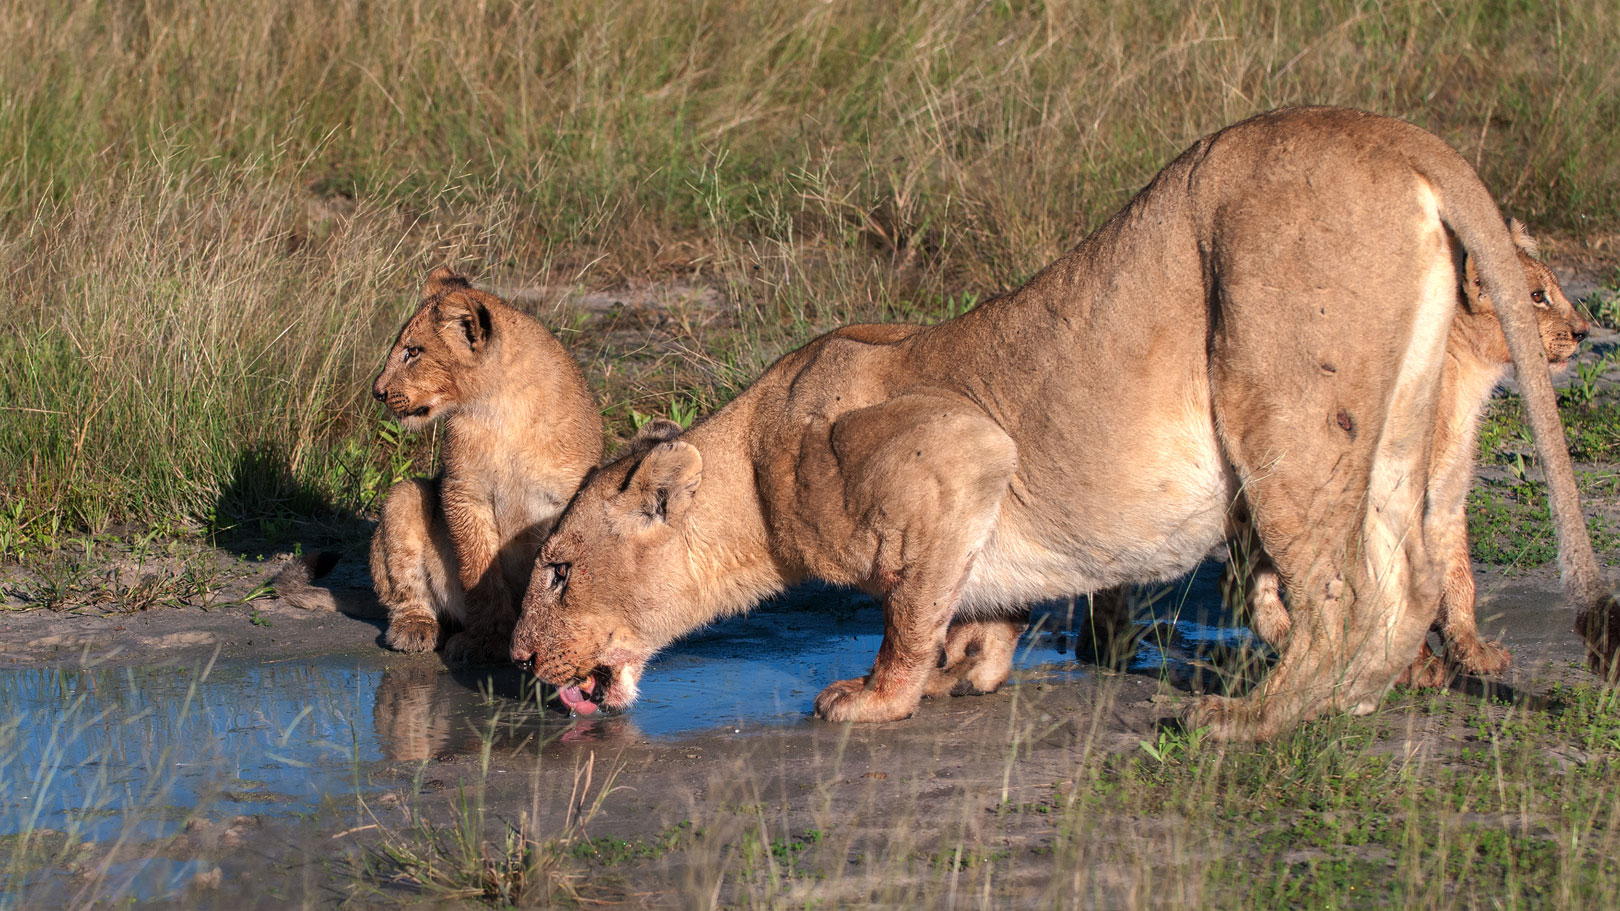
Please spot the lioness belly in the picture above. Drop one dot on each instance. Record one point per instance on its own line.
(1156, 519)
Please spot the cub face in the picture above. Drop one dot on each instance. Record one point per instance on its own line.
(1562, 327)
(610, 585)
(437, 357)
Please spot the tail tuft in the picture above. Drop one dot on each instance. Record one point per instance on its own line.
(1599, 627)
(296, 585)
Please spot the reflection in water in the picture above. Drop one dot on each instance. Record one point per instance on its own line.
(82, 744)
(425, 712)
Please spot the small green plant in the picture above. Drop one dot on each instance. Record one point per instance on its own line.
(681, 410)
(1603, 306)
(1171, 747)
(1583, 389)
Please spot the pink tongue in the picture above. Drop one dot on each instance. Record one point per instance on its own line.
(577, 701)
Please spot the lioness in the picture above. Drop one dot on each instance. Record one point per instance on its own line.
(1268, 317)
(521, 431)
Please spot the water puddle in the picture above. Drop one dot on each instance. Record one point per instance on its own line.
(135, 753)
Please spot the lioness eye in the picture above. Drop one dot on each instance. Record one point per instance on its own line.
(412, 351)
(1540, 297)
(559, 576)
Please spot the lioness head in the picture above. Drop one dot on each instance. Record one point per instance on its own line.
(1562, 328)
(433, 364)
(609, 583)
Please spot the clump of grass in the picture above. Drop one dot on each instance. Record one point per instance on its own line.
(1509, 525)
(456, 860)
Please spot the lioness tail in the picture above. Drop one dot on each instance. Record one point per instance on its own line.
(1468, 209)
(296, 585)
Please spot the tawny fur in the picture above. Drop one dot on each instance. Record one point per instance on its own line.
(521, 431)
(1476, 361)
(1269, 316)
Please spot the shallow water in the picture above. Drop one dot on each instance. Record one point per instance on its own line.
(135, 752)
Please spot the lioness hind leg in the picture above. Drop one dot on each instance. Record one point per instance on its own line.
(977, 656)
(1361, 608)
(1333, 461)
(413, 566)
(926, 475)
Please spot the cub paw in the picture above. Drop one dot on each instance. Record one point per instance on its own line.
(1221, 715)
(412, 634)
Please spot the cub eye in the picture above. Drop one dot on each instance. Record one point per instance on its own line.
(559, 575)
(1540, 297)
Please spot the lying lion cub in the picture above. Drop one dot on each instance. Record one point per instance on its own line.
(1476, 360)
(521, 431)
(1268, 316)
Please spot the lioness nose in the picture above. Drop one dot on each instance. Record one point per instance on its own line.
(1581, 329)
(523, 658)
(378, 392)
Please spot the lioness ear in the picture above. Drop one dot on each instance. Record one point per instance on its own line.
(662, 487)
(1522, 239)
(655, 431)
(443, 280)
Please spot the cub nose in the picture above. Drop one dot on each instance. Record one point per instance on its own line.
(378, 392)
(1581, 329)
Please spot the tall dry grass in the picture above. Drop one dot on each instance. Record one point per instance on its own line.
(211, 215)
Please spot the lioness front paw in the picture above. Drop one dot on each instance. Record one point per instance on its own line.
(850, 700)
(412, 634)
(471, 648)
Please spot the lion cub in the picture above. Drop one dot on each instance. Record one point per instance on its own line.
(1476, 360)
(521, 431)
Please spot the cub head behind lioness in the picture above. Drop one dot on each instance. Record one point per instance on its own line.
(1476, 334)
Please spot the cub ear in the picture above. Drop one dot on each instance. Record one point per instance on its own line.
(443, 280)
(662, 487)
(465, 322)
(655, 431)
(1522, 239)
(1473, 295)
